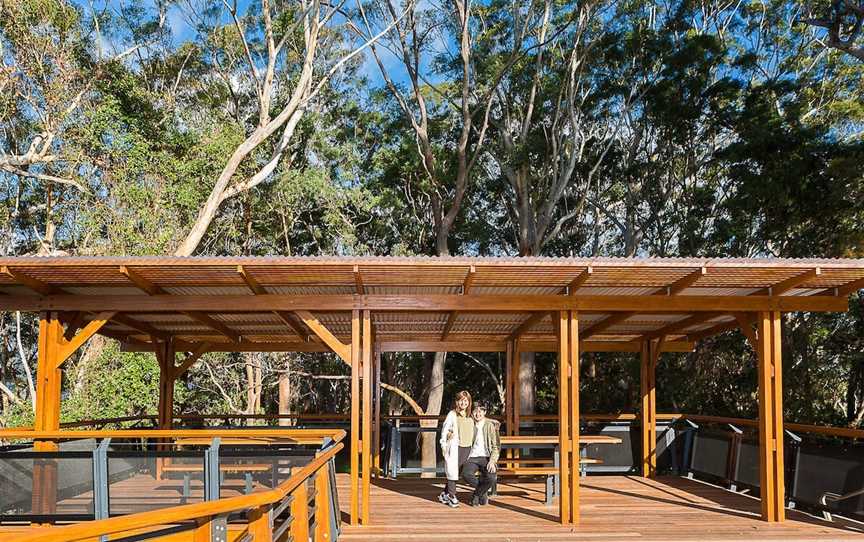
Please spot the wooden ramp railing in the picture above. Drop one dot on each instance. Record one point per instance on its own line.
(299, 509)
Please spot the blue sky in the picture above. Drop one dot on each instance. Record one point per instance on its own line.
(182, 31)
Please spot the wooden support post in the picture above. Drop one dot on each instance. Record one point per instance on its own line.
(648, 412)
(568, 414)
(508, 391)
(376, 421)
(517, 388)
(165, 356)
(322, 505)
(574, 416)
(48, 377)
(355, 417)
(48, 385)
(300, 514)
(771, 466)
(366, 410)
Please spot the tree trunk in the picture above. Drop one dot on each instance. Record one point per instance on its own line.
(285, 392)
(429, 442)
(253, 383)
(526, 384)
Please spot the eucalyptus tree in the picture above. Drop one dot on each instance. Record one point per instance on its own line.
(282, 54)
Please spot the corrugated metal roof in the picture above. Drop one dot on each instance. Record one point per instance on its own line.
(420, 276)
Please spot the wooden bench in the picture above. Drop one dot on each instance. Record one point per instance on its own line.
(548, 470)
(188, 469)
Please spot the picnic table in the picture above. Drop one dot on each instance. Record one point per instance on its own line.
(518, 466)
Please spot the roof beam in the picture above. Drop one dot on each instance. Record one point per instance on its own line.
(340, 348)
(250, 281)
(711, 331)
(527, 324)
(286, 317)
(291, 321)
(605, 324)
(677, 327)
(142, 327)
(140, 282)
(581, 279)
(36, 285)
(790, 283)
(424, 303)
(672, 290)
(204, 318)
(466, 287)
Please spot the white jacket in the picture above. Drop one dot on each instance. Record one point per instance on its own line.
(450, 446)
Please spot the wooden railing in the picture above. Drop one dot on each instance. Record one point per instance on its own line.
(844, 432)
(278, 514)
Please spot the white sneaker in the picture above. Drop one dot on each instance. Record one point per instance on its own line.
(452, 501)
(443, 498)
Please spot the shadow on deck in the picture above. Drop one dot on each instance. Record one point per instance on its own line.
(612, 508)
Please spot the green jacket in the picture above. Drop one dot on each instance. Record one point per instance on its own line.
(493, 439)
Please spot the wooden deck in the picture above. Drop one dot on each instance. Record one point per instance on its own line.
(613, 508)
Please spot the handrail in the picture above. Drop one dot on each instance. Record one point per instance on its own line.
(178, 514)
(307, 434)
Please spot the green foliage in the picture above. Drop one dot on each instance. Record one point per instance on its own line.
(116, 384)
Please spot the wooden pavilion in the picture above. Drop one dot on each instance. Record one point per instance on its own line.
(360, 307)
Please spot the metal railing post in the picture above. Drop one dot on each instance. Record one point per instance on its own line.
(100, 482)
(687, 455)
(212, 474)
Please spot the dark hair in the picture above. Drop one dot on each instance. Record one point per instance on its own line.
(462, 395)
(480, 406)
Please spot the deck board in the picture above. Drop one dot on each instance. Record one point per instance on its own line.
(612, 508)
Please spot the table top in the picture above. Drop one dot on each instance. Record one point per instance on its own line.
(553, 439)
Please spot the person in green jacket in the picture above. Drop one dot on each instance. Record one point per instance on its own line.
(479, 471)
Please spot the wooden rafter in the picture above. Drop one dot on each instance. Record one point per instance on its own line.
(451, 318)
(790, 283)
(340, 348)
(143, 327)
(711, 331)
(581, 279)
(526, 325)
(36, 285)
(204, 318)
(286, 317)
(291, 321)
(250, 281)
(681, 325)
(683, 283)
(605, 324)
(358, 281)
(140, 282)
(672, 290)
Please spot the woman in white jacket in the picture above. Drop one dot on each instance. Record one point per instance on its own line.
(457, 436)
